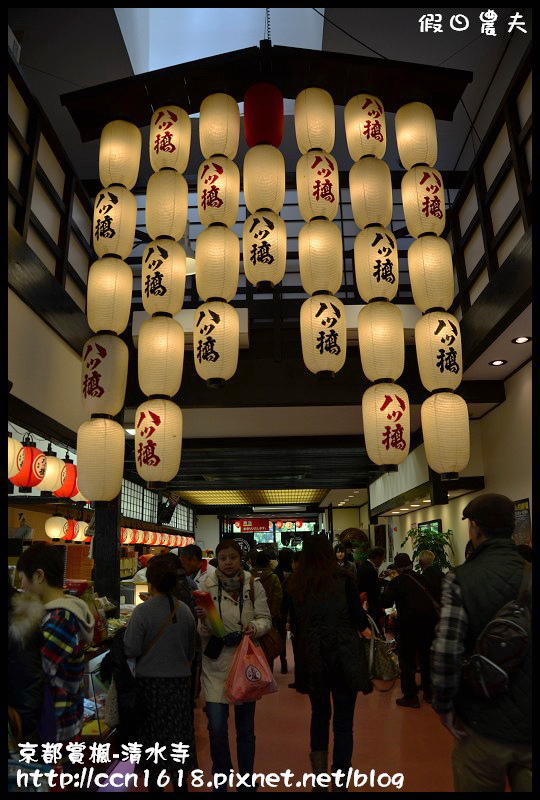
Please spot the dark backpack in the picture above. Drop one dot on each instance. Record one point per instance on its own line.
(501, 645)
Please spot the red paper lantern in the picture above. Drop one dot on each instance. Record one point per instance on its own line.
(69, 482)
(32, 464)
(279, 525)
(263, 115)
(299, 523)
(71, 530)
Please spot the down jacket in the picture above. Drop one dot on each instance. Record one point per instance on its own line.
(25, 675)
(215, 671)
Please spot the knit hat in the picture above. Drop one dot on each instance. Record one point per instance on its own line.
(402, 560)
(491, 511)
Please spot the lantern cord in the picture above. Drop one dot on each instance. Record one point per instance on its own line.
(348, 34)
(472, 127)
(57, 77)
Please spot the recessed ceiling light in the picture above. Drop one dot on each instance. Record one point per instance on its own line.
(395, 512)
(415, 505)
(498, 363)
(522, 339)
(357, 491)
(426, 501)
(403, 509)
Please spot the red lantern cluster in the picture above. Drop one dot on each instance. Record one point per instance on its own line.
(32, 464)
(69, 482)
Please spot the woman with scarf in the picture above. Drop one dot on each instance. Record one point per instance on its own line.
(230, 589)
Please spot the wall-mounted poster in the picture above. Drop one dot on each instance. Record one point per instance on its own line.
(522, 517)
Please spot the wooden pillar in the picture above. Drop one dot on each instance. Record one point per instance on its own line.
(106, 550)
(438, 492)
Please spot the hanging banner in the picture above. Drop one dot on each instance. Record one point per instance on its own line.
(251, 525)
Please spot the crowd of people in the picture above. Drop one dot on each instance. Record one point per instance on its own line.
(328, 604)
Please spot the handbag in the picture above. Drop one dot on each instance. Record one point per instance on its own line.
(383, 664)
(249, 676)
(272, 644)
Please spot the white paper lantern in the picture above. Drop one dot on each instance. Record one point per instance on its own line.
(170, 138)
(166, 204)
(158, 440)
(219, 126)
(320, 251)
(129, 535)
(216, 340)
(100, 459)
(376, 264)
(381, 340)
(115, 215)
(365, 126)
(422, 192)
(110, 286)
(218, 191)
(386, 422)
(323, 330)
(317, 185)
(104, 374)
(416, 135)
(52, 480)
(217, 261)
(80, 531)
(264, 243)
(14, 448)
(264, 178)
(119, 154)
(79, 498)
(445, 425)
(314, 120)
(370, 184)
(438, 350)
(161, 356)
(431, 272)
(56, 527)
(163, 277)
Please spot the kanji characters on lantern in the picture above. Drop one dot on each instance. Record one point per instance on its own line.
(170, 138)
(323, 331)
(216, 338)
(376, 264)
(423, 201)
(31, 464)
(264, 243)
(438, 349)
(161, 356)
(365, 126)
(218, 190)
(217, 262)
(115, 214)
(317, 184)
(163, 277)
(104, 374)
(166, 204)
(158, 440)
(321, 256)
(386, 422)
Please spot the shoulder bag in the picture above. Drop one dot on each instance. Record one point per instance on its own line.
(382, 661)
(271, 642)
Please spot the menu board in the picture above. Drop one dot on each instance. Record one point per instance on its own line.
(522, 520)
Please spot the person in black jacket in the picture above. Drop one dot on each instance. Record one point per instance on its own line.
(26, 678)
(416, 619)
(367, 577)
(432, 576)
(331, 666)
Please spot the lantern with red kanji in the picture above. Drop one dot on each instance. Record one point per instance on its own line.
(123, 535)
(104, 374)
(158, 440)
(31, 463)
(386, 421)
(68, 487)
(263, 115)
(422, 190)
(218, 190)
(170, 138)
(317, 185)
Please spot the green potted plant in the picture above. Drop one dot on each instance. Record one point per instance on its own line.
(436, 541)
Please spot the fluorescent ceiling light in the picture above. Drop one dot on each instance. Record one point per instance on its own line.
(426, 501)
(279, 508)
(415, 505)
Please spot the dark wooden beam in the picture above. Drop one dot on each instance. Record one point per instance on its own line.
(106, 550)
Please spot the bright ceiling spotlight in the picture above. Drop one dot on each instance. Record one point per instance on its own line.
(498, 363)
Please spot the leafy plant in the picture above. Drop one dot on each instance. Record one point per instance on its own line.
(437, 542)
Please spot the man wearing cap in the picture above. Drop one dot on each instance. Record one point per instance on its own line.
(493, 737)
(416, 620)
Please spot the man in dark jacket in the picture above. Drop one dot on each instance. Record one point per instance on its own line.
(416, 620)
(493, 737)
(432, 576)
(367, 578)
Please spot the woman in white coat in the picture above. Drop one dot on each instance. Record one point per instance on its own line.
(230, 588)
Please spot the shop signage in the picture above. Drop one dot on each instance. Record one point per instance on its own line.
(253, 525)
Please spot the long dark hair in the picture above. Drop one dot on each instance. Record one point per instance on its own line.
(317, 570)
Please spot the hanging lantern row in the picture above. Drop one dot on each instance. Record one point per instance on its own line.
(68, 530)
(151, 538)
(29, 467)
(323, 327)
(444, 415)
